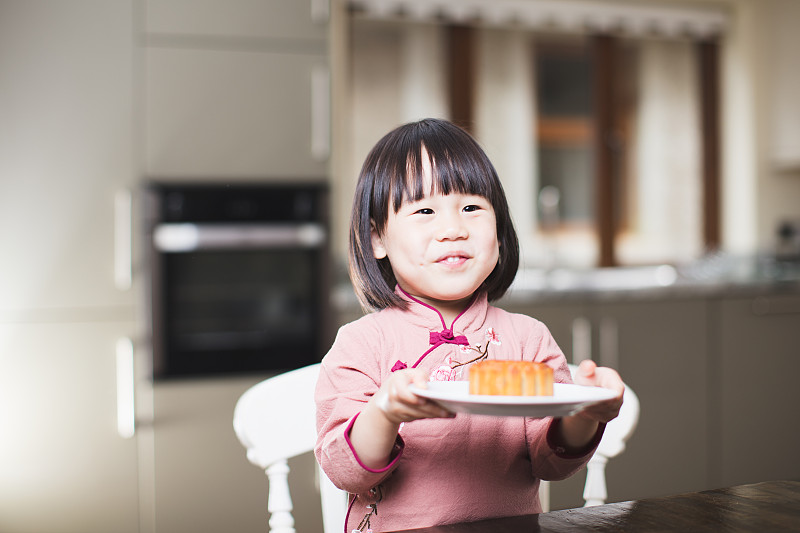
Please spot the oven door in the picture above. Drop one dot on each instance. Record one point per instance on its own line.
(237, 298)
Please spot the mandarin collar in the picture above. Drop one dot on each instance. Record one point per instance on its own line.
(424, 315)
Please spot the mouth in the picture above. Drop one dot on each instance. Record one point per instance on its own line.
(453, 259)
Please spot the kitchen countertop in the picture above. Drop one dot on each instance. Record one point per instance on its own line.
(709, 278)
(715, 276)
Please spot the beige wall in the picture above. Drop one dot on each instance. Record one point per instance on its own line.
(777, 86)
(761, 115)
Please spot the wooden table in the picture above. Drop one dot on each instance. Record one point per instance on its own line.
(767, 507)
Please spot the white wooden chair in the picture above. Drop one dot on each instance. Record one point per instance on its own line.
(275, 420)
(617, 433)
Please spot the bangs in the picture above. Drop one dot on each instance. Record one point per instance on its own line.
(458, 165)
(451, 172)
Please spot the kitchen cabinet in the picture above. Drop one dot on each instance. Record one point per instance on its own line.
(663, 355)
(221, 114)
(198, 470)
(273, 19)
(755, 381)
(236, 90)
(66, 283)
(202, 479)
(66, 149)
(659, 346)
(65, 468)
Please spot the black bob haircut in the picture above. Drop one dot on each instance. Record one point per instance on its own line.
(392, 173)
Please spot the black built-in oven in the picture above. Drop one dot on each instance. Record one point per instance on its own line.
(238, 276)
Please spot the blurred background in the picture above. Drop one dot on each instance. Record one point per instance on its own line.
(175, 187)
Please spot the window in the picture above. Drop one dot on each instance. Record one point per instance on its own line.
(607, 145)
(620, 147)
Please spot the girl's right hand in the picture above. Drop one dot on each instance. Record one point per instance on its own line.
(398, 404)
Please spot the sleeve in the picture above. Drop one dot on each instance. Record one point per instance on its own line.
(350, 374)
(549, 460)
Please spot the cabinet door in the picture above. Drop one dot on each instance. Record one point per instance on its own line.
(662, 350)
(65, 149)
(203, 480)
(756, 379)
(221, 114)
(65, 468)
(294, 20)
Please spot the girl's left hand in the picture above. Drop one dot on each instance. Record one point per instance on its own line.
(598, 376)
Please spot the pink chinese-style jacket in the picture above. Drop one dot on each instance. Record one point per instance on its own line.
(442, 470)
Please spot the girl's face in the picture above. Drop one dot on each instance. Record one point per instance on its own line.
(441, 248)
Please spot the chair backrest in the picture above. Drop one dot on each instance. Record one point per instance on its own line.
(617, 433)
(275, 420)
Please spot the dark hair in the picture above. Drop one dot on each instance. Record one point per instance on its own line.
(392, 173)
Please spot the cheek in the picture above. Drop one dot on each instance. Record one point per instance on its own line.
(496, 252)
(492, 241)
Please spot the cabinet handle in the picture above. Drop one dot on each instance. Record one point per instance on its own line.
(581, 340)
(320, 113)
(123, 240)
(126, 409)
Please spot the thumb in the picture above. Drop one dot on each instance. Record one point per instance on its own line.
(586, 369)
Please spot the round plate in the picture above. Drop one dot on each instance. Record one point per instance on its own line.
(567, 399)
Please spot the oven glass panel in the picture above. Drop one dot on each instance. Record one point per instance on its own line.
(241, 310)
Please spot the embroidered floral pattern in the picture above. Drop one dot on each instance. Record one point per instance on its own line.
(491, 336)
(372, 509)
(448, 371)
(445, 372)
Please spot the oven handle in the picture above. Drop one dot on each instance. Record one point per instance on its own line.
(187, 237)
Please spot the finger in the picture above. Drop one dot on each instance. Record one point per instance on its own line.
(416, 377)
(396, 411)
(420, 378)
(609, 379)
(603, 411)
(434, 410)
(407, 413)
(587, 368)
(404, 395)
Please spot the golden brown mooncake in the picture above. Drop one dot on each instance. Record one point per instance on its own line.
(511, 378)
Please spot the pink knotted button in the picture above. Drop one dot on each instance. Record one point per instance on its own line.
(399, 365)
(446, 336)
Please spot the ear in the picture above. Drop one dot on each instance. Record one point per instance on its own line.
(378, 250)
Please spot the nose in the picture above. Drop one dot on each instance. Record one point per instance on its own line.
(452, 228)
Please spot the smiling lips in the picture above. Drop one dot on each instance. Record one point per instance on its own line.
(453, 258)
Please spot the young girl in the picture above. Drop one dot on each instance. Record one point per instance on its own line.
(431, 243)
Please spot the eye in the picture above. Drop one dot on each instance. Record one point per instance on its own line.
(471, 208)
(424, 211)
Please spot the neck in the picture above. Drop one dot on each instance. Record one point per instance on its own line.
(448, 310)
(451, 310)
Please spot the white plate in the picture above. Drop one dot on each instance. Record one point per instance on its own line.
(566, 400)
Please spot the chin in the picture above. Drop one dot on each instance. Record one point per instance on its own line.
(453, 297)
